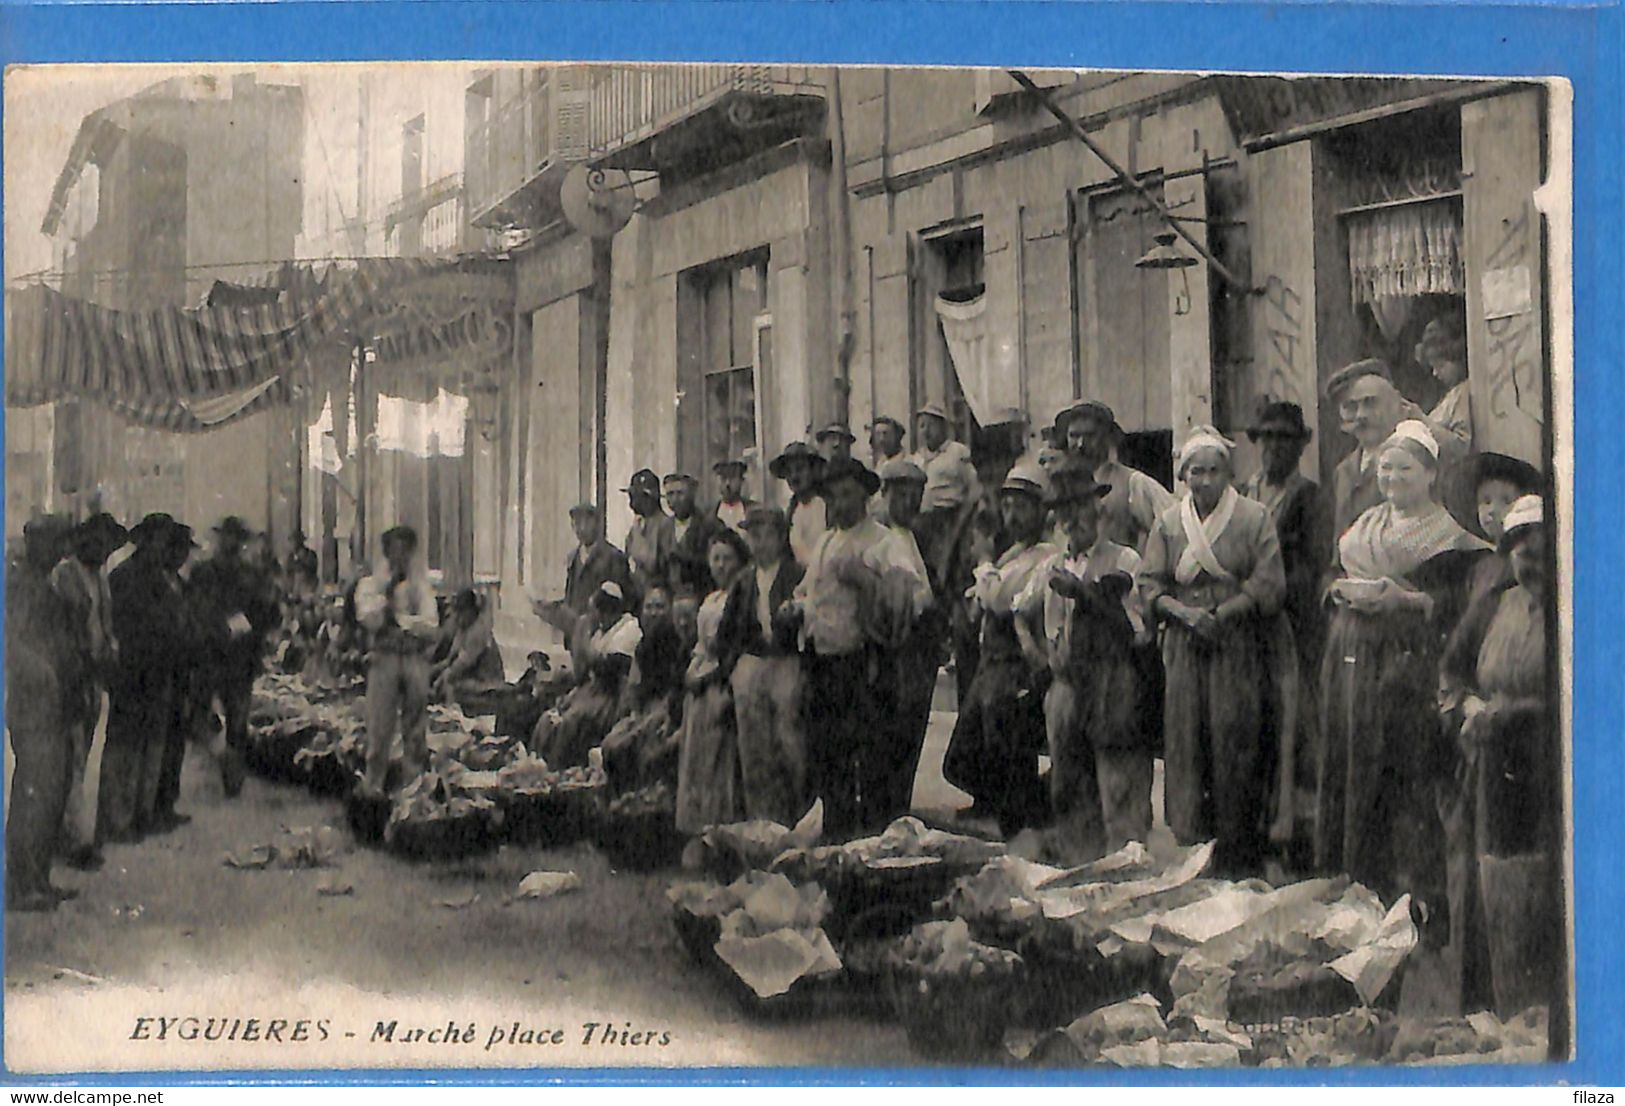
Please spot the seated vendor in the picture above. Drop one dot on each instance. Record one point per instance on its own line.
(568, 732)
(472, 663)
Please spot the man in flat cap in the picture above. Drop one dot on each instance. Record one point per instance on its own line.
(800, 467)
(240, 607)
(652, 537)
(689, 568)
(835, 442)
(732, 502)
(592, 561)
(1368, 409)
(885, 440)
(993, 754)
(81, 579)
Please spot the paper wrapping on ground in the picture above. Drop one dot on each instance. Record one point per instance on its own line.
(771, 964)
(1102, 898)
(1371, 965)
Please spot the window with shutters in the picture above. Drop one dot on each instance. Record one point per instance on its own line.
(950, 265)
(728, 340)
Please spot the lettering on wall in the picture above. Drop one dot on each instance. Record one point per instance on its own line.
(1513, 347)
(1284, 341)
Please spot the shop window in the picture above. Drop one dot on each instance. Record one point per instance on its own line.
(725, 350)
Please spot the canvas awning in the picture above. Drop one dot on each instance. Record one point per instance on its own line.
(249, 347)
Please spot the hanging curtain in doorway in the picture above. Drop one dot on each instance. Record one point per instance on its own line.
(984, 359)
(1406, 250)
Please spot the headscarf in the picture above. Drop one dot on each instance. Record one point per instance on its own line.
(1202, 437)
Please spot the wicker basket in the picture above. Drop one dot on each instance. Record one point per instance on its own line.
(326, 775)
(444, 838)
(953, 1017)
(556, 817)
(809, 997)
(642, 842)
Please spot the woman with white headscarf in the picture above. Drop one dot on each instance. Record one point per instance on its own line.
(1212, 576)
(1401, 581)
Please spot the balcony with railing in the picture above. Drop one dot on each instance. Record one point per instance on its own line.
(680, 118)
(512, 160)
(428, 220)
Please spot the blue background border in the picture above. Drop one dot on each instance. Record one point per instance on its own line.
(1582, 42)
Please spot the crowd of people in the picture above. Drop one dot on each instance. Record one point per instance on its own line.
(1353, 682)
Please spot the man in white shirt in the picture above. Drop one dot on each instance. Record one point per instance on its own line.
(902, 485)
(396, 605)
(856, 604)
(993, 754)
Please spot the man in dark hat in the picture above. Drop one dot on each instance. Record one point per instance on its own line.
(835, 442)
(81, 579)
(1294, 502)
(141, 694)
(43, 675)
(855, 606)
(1368, 408)
(732, 502)
(653, 536)
(238, 608)
(993, 753)
(800, 467)
(689, 570)
(885, 440)
(190, 699)
(1081, 616)
(1089, 431)
(396, 606)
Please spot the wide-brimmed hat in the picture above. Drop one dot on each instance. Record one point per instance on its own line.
(104, 529)
(47, 536)
(181, 534)
(398, 534)
(232, 526)
(795, 449)
(1498, 466)
(1085, 408)
(1348, 374)
(644, 480)
(1283, 420)
(847, 468)
(835, 430)
(901, 468)
(152, 527)
(766, 516)
(1074, 483)
(1028, 477)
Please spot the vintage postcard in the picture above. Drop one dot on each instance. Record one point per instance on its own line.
(692, 566)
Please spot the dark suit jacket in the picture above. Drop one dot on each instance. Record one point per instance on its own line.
(690, 569)
(584, 575)
(1353, 494)
(740, 631)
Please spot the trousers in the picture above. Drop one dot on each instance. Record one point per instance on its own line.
(39, 787)
(993, 753)
(397, 697)
(1101, 794)
(842, 721)
(79, 813)
(772, 744)
(915, 672)
(139, 719)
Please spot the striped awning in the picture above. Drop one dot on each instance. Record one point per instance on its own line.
(248, 349)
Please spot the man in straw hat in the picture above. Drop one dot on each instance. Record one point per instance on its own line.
(238, 603)
(834, 442)
(1079, 617)
(993, 754)
(800, 467)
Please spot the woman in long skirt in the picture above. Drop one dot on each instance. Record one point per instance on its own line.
(708, 788)
(1212, 576)
(1502, 920)
(1403, 571)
